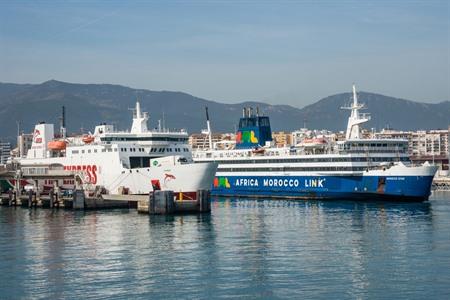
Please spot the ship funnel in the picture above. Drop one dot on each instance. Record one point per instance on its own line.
(139, 120)
(43, 133)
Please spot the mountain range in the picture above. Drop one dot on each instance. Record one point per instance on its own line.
(90, 104)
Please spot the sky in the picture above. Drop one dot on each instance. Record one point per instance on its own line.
(280, 52)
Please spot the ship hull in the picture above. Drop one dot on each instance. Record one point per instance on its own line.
(395, 188)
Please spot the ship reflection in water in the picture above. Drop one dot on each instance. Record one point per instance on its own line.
(245, 248)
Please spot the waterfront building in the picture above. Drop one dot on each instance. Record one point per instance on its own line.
(282, 139)
(5, 152)
(431, 145)
(24, 142)
(221, 140)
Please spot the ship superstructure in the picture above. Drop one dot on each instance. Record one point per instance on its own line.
(355, 168)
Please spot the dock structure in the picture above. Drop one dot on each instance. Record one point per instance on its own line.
(164, 203)
(154, 203)
(441, 184)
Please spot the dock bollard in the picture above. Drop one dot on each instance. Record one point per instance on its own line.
(161, 203)
(78, 199)
(203, 198)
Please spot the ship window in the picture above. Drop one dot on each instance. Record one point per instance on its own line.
(82, 151)
(89, 151)
(103, 150)
(75, 152)
(95, 150)
(109, 150)
(115, 149)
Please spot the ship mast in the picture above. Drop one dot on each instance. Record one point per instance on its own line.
(208, 129)
(356, 118)
(139, 120)
(63, 130)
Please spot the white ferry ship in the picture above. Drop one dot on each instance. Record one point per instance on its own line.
(355, 168)
(134, 162)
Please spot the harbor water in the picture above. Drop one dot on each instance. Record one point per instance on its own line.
(246, 248)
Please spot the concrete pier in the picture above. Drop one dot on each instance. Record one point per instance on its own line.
(161, 203)
(164, 203)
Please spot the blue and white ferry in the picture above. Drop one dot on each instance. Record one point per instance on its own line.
(355, 168)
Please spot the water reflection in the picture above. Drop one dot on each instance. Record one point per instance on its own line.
(244, 248)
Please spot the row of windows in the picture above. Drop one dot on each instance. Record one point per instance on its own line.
(169, 150)
(132, 149)
(153, 138)
(93, 151)
(400, 145)
(299, 169)
(315, 159)
(374, 151)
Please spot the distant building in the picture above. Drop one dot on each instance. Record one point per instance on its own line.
(5, 152)
(421, 143)
(424, 145)
(200, 140)
(282, 139)
(24, 142)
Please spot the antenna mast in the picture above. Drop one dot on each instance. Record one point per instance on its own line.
(63, 130)
(208, 126)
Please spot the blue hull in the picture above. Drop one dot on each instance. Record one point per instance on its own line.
(403, 188)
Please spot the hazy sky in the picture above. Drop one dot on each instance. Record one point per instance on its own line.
(290, 52)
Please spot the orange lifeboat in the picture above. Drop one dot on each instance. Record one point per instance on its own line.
(88, 139)
(57, 145)
(258, 150)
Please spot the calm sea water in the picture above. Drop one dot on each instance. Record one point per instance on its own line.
(244, 249)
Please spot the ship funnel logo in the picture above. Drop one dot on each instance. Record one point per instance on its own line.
(246, 136)
(37, 138)
(221, 182)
